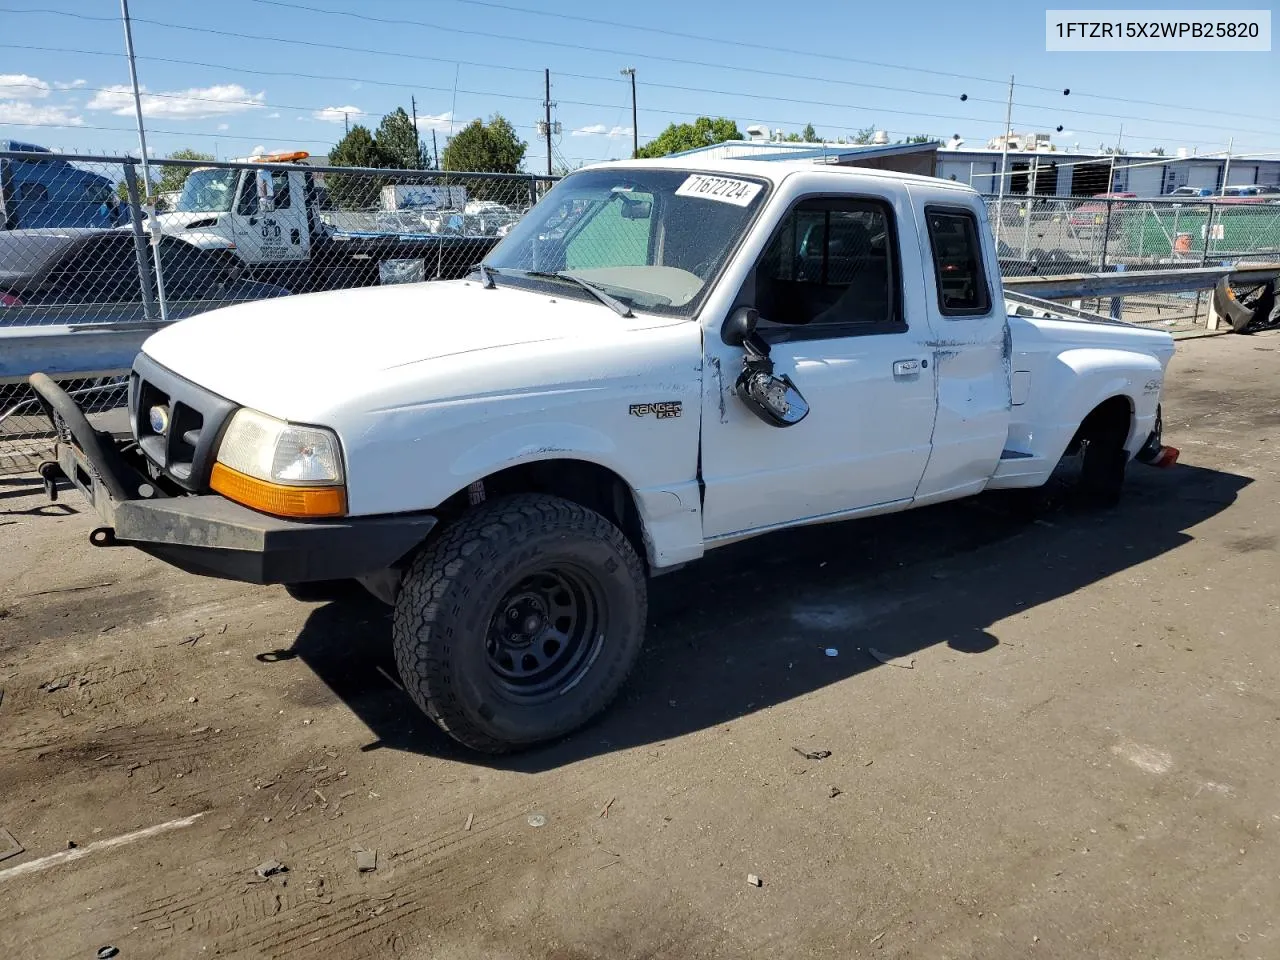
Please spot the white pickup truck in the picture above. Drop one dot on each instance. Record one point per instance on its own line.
(660, 359)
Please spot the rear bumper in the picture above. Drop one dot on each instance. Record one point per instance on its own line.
(209, 534)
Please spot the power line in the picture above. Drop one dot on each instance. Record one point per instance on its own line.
(518, 39)
(702, 38)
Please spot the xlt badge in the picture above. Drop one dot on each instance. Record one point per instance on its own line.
(663, 410)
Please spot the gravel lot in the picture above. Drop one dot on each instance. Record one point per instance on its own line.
(1079, 762)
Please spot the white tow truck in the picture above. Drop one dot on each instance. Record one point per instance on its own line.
(658, 360)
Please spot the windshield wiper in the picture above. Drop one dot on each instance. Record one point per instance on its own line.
(614, 304)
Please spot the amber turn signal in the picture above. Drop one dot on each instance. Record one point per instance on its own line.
(278, 499)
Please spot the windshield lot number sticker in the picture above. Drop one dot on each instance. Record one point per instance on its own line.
(726, 190)
(663, 410)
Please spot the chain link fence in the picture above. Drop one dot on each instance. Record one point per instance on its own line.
(80, 244)
(1050, 236)
(91, 240)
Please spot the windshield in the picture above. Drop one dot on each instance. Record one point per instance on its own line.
(654, 239)
(208, 191)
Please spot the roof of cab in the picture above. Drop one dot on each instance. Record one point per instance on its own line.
(776, 171)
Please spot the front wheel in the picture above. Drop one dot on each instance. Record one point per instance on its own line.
(520, 622)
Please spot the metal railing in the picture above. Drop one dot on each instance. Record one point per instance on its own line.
(82, 249)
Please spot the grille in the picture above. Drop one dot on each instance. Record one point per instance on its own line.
(190, 423)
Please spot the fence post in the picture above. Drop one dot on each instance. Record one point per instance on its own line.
(139, 242)
(1208, 234)
(533, 190)
(1106, 235)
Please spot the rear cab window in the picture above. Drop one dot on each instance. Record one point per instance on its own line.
(954, 240)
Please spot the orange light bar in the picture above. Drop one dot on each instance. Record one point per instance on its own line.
(278, 499)
(283, 157)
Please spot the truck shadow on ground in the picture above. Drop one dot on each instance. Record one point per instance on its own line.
(749, 626)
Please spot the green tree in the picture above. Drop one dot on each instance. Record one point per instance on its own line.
(171, 178)
(492, 147)
(397, 140)
(686, 136)
(918, 138)
(1158, 151)
(865, 135)
(808, 134)
(357, 149)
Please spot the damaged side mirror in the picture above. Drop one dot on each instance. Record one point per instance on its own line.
(773, 398)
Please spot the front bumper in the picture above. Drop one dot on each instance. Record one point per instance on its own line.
(209, 534)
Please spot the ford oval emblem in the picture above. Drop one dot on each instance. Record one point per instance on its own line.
(159, 417)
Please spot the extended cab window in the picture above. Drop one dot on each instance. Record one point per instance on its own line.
(832, 262)
(957, 261)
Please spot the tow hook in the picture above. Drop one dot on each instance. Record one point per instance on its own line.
(51, 473)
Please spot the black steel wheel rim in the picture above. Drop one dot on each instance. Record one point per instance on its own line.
(545, 632)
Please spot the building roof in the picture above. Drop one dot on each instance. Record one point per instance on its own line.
(782, 150)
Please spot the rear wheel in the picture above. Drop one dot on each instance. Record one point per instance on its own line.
(520, 622)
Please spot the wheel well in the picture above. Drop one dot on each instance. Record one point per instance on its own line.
(1112, 416)
(589, 484)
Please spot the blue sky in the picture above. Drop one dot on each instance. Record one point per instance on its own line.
(898, 66)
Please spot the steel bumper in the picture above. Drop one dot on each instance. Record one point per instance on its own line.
(209, 534)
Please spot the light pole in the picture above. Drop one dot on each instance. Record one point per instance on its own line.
(635, 129)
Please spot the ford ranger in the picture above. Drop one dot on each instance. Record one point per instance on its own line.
(660, 359)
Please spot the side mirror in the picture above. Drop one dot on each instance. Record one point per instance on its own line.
(266, 192)
(772, 398)
(739, 326)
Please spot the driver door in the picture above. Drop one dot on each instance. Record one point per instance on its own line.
(851, 335)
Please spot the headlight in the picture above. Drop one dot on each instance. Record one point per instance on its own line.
(279, 467)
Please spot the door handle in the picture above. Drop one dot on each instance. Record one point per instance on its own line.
(905, 368)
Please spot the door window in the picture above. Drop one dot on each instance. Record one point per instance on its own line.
(279, 193)
(831, 269)
(957, 262)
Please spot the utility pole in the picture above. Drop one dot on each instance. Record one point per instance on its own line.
(346, 122)
(1004, 158)
(635, 129)
(547, 118)
(147, 204)
(435, 149)
(417, 137)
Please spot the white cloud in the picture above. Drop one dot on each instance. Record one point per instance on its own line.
(273, 116)
(224, 126)
(21, 85)
(600, 130)
(196, 103)
(17, 112)
(435, 121)
(73, 85)
(336, 114)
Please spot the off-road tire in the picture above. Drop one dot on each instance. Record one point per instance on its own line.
(449, 597)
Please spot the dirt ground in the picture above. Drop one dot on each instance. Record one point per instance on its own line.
(1080, 761)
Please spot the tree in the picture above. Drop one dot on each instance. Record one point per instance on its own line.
(171, 178)
(865, 135)
(174, 177)
(492, 147)
(918, 138)
(686, 136)
(397, 140)
(808, 134)
(1158, 151)
(357, 149)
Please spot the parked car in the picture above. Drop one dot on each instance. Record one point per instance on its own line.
(658, 360)
(1091, 216)
(1190, 192)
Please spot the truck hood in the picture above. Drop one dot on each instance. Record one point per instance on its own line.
(296, 357)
